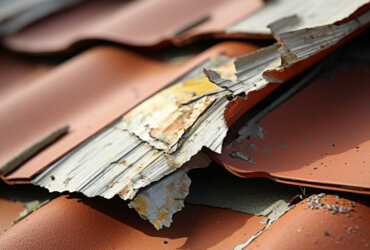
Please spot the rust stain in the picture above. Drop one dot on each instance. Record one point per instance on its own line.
(125, 163)
(124, 191)
(140, 205)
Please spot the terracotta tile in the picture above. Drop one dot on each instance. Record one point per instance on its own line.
(137, 23)
(87, 93)
(9, 211)
(306, 228)
(72, 222)
(319, 137)
(17, 72)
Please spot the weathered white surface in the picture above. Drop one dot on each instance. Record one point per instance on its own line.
(309, 13)
(116, 161)
(249, 70)
(297, 45)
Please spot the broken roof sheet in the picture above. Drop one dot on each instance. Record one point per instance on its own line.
(314, 139)
(295, 15)
(137, 23)
(86, 99)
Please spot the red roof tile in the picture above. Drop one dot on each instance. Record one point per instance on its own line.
(68, 222)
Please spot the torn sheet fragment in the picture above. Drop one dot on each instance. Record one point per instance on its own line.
(158, 202)
(296, 14)
(253, 71)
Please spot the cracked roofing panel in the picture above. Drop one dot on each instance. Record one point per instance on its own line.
(86, 94)
(319, 228)
(137, 23)
(117, 226)
(319, 137)
(297, 14)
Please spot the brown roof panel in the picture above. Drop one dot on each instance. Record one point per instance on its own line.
(9, 211)
(17, 72)
(137, 23)
(86, 93)
(319, 137)
(70, 222)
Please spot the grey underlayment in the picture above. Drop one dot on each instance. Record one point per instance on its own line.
(308, 13)
(116, 161)
(216, 187)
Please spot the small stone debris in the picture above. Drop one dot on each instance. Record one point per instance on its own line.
(326, 233)
(314, 202)
(165, 242)
(299, 230)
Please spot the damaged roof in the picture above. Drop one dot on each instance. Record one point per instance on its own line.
(313, 145)
(127, 127)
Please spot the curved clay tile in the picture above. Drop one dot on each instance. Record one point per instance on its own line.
(136, 23)
(307, 227)
(72, 222)
(319, 137)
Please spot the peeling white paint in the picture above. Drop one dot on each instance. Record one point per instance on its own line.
(308, 14)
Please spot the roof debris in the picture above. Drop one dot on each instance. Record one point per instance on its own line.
(158, 202)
